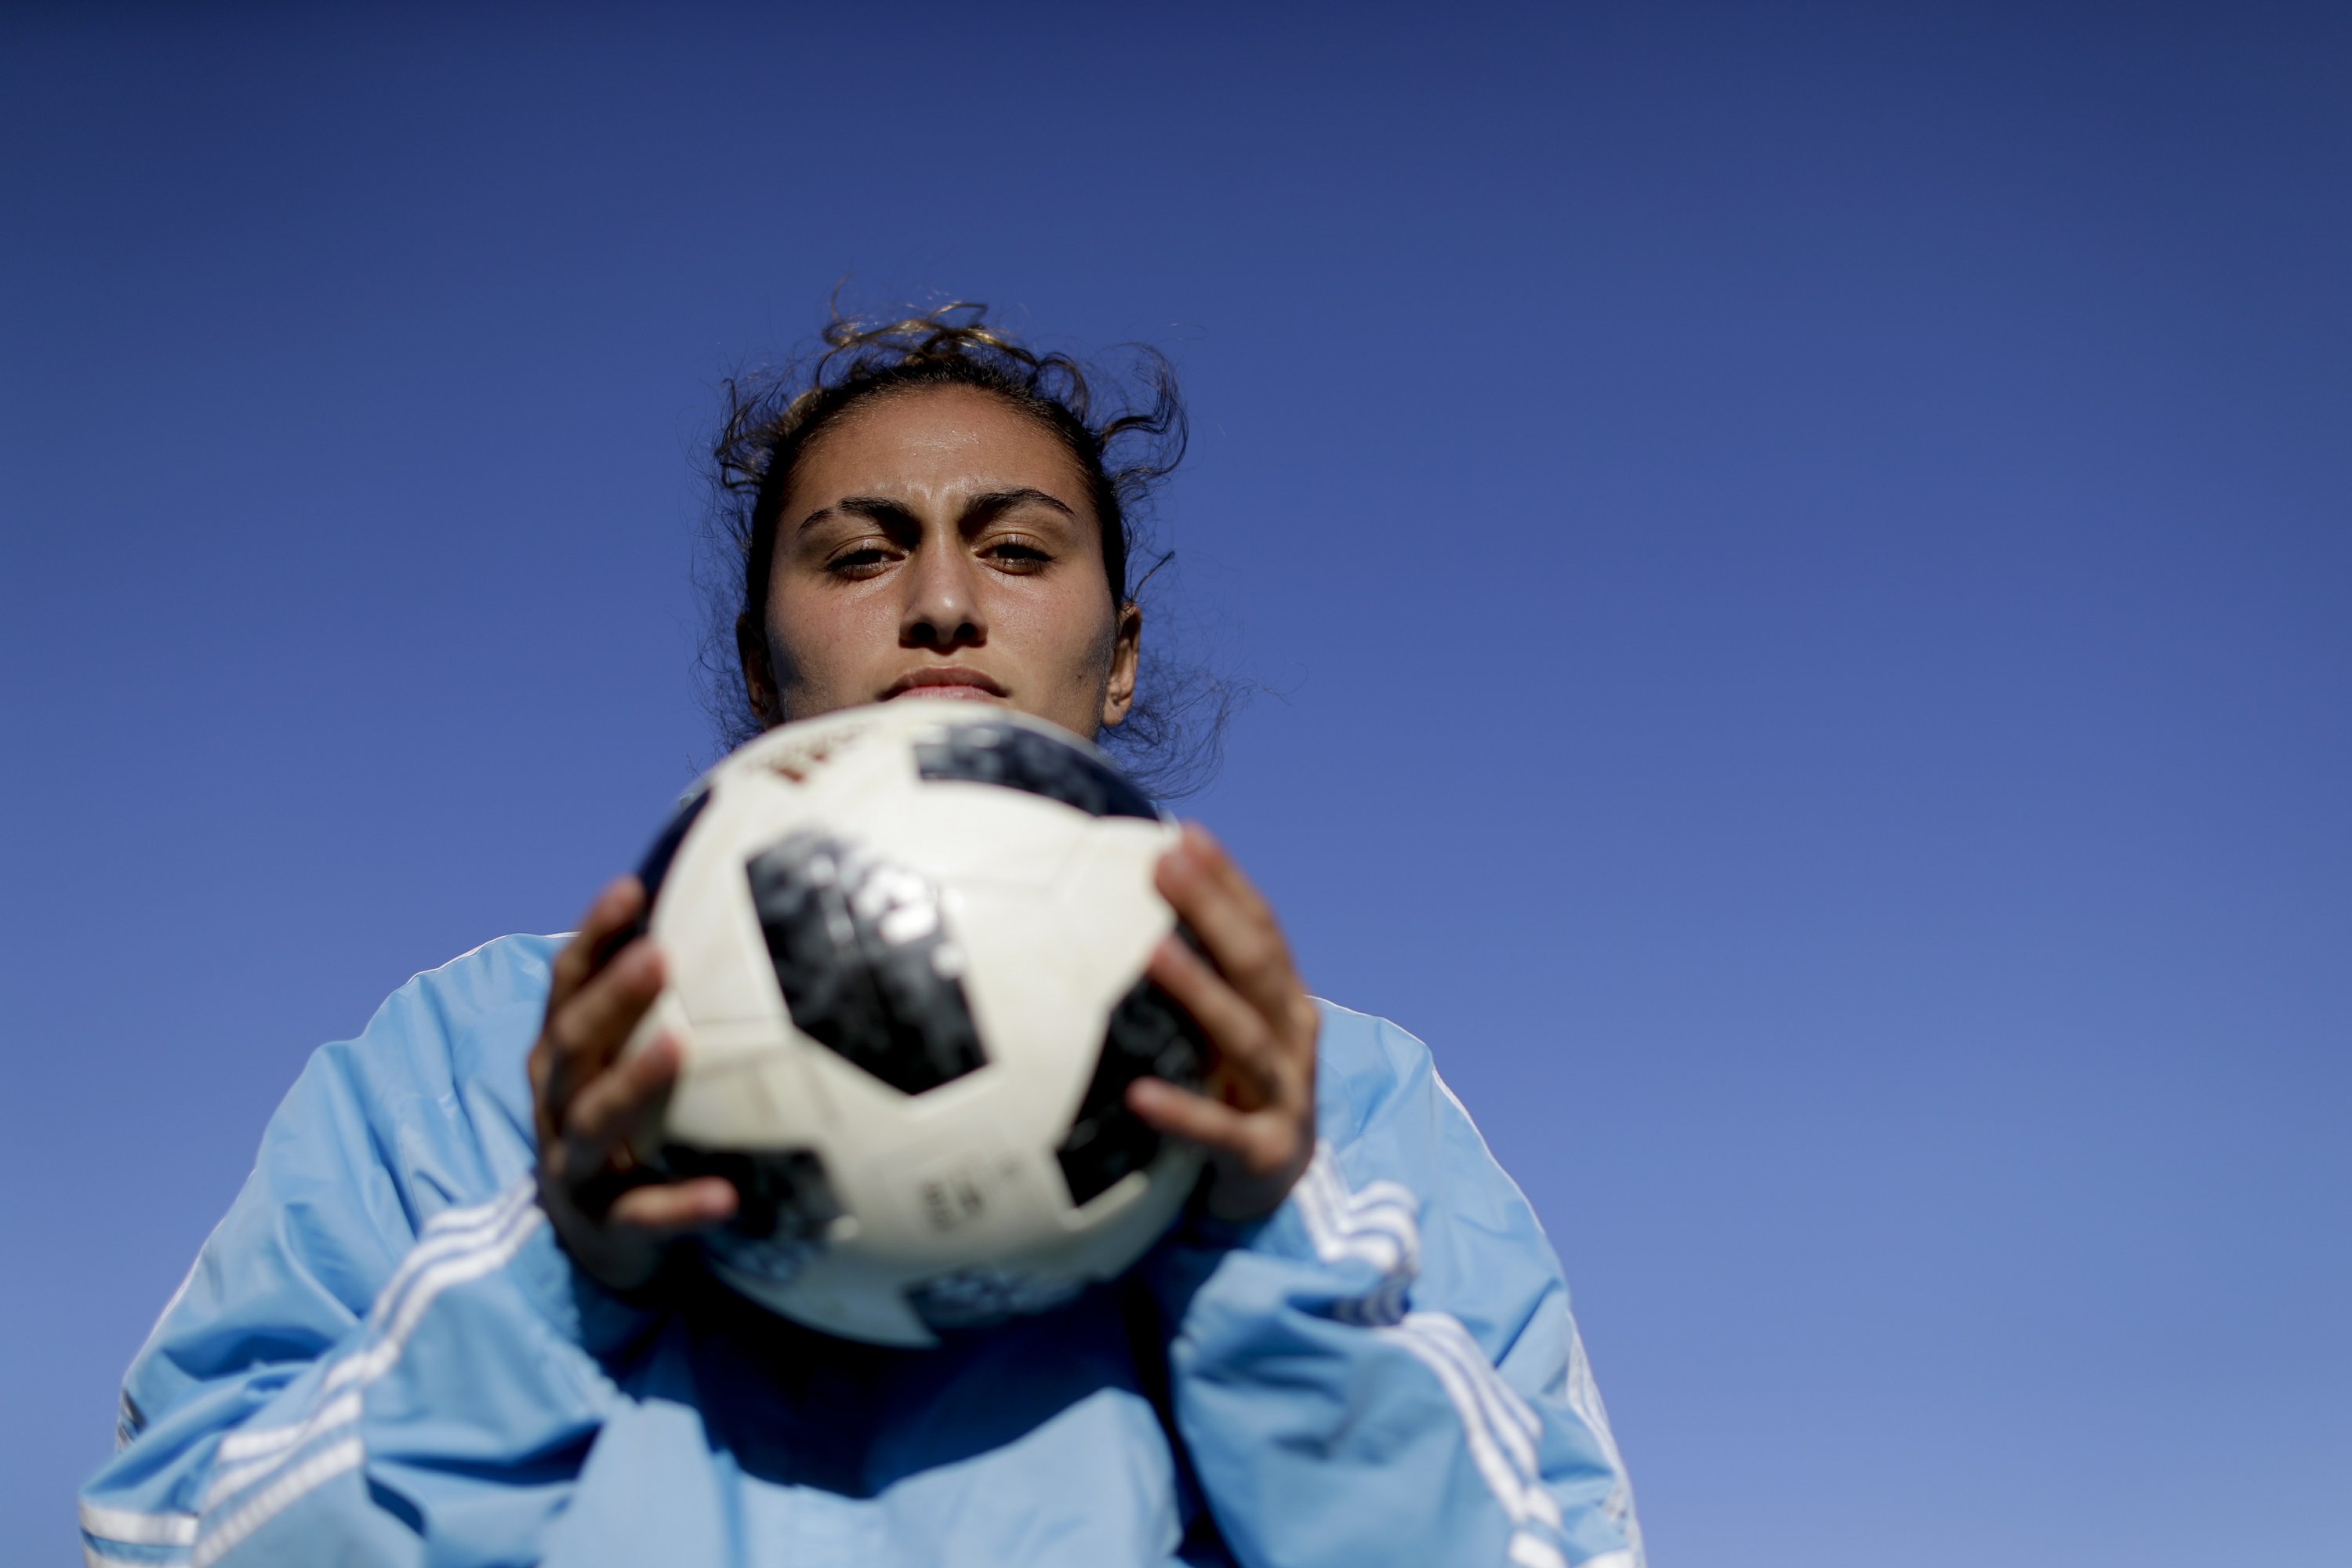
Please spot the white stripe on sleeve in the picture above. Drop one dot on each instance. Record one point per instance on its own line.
(274, 1448)
(126, 1527)
(446, 1235)
(275, 1498)
(1529, 1549)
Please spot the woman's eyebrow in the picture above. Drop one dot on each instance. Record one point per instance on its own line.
(979, 509)
(995, 503)
(875, 509)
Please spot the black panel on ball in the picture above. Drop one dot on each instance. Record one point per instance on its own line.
(783, 1191)
(980, 1298)
(1150, 1036)
(865, 960)
(785, 1205)
(655, 868)
(992, 753)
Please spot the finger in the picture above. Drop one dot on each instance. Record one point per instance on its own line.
(1195, 1118)
(587, 1032)
(674, 1208)
(615, 1104)
(1242, 1041)
(1227, 873)
(615, 908)
(1234, 925)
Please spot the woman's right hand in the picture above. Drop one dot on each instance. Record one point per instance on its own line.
(588, 1104)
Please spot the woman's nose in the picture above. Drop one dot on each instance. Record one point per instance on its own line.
(942, 606)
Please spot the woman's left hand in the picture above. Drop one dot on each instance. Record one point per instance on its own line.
(1256, 1119)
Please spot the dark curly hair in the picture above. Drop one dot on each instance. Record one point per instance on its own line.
(1172, 734)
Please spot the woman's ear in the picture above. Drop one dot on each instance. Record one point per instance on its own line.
(759, 673)
(1126, 656)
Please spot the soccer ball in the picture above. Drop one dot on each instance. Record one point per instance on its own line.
(905, 947)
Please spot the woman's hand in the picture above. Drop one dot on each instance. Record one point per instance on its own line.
(587, 1106)
(1257, 1117)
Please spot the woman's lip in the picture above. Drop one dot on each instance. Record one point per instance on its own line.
(952, 693)
(954, 680)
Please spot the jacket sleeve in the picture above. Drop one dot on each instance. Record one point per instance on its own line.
(378, 1357)
(1386, 1370)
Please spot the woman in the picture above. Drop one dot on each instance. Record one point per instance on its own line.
(442, 1323)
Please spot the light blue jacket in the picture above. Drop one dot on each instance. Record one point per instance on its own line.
(382, 1356)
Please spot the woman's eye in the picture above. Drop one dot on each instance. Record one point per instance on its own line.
(862, 561)
(1018, 554)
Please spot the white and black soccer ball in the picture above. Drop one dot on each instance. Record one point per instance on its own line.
(905, 948)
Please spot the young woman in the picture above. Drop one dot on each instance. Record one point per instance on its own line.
(442, 1325)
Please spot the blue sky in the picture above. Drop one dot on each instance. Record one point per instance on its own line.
(1796, 561)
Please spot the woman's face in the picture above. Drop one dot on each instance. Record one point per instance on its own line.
(939, 544)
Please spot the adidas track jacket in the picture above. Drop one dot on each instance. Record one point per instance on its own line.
(382, 1356)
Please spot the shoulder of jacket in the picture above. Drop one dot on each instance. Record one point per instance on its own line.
(494, 968)
(474, 1016)
(1362, 1062)
(435, 1085)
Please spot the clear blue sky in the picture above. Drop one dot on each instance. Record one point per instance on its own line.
(1801, 560)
